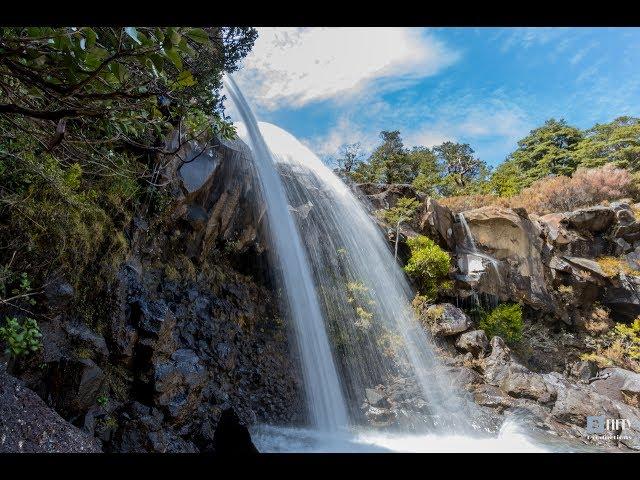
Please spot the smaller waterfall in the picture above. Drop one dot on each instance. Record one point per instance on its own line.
(474, 263)
(467, 233)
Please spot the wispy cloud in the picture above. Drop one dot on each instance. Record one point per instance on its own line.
(296, 66)
(468, 118)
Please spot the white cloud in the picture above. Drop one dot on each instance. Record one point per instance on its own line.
(296, 66)
(343, 133)
(429, 136)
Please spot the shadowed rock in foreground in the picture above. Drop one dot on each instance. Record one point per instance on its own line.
(28, 425)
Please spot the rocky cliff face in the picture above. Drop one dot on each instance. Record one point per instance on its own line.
(575, 273)
(190, 325)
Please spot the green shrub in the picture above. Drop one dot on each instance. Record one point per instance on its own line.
(504, 321)
(619, 347)
(21, 338)
(429, 266)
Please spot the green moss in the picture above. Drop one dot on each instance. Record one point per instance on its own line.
(118, 381)
(86, 353)
(171, 273)
(504, 321)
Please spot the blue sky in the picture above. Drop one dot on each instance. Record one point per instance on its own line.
(484, 86)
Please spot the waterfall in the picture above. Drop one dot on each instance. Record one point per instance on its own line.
(328, 244)
(467, 233)
(474, 264)
(324, 395)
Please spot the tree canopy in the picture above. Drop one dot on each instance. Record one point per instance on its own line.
(452, 169)
(84, 117)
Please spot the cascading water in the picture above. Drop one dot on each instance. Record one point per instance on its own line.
(322, 387)
(364, 294)
(474, 256)
(340, 276)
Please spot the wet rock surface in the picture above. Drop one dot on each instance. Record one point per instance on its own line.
(190, 326)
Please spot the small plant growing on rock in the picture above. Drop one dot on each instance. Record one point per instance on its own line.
(404, 210)
(359, 296)
(612, 267)
(598, 322)
(429, 266)
(504, 321)
(620, 347)
(21, 338)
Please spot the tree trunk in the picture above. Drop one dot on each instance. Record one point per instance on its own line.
(395, 256)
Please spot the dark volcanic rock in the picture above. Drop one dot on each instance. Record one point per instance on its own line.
(232, 437)
(58, 292)
(74, 385)
(28, 425)
(446, 319)
(474, 341)
(387, 195)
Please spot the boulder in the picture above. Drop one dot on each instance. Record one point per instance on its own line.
(591, 219)
(74, 385)
(513, 243)
(522, 383)
(474, 341)
(436, 222)
(619, 384)
(465, 377)
(492, 396)
(630, 434)
(28, 425)
(574, 403)
(387, 195)
(144, 431)
(85, 338)
(623, 298)
(582, 370)
(58, 292)
(513, 378)
(178, 382)
(446, 319)
(633, 258)
(375, 398)
(232, 437)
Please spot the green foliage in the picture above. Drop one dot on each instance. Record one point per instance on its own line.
(441, 170)
(460, 165)
(349, 158)
(404, 210)
(429, 266)
(84, 114)
(360, 298)
(507, 179)
(619, 347)
(504, 321)
(630, 336)
(617, 142)
(547, 150)
(21, 338)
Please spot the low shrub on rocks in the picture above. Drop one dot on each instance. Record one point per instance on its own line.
(620, 347)
(504, 321)
(429, 266)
